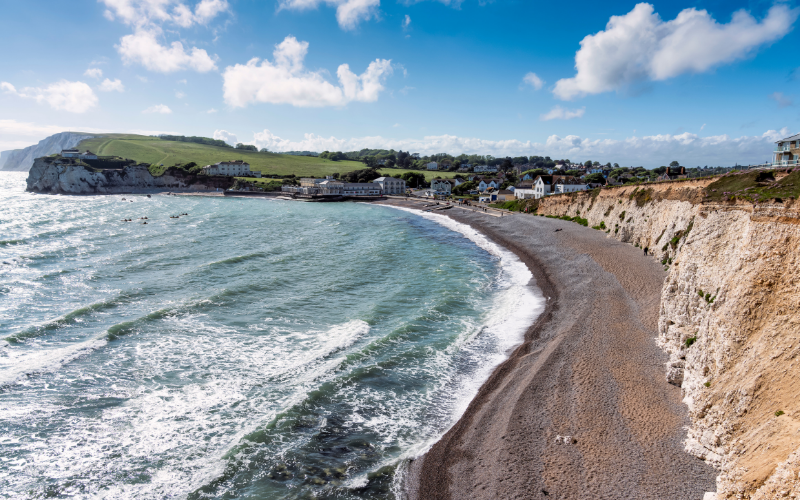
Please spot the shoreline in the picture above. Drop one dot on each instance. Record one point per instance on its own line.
(580, 409)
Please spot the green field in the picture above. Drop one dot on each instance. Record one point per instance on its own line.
(155, 151)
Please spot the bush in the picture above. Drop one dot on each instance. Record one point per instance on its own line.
(779, 413)
(690, 341)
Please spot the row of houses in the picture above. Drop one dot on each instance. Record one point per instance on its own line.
(233, 168)
(334, 187)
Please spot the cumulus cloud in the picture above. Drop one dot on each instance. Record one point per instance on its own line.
(111, 85)
(349, 13)
(533, 80)
(287, 81)
(783, 101)
(649, 151)
(559, 113)
(143, 47)
(75, 97)
(224, 135)
(640, 46)
(94, 73)
(142, 13)
(159, 109)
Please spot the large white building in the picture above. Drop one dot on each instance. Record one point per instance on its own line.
(237, 168)
(546, 185)
(390, 185)
(433, 166)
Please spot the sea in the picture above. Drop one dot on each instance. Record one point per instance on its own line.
(192, 347)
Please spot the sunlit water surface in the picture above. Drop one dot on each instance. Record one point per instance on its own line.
(251, 349)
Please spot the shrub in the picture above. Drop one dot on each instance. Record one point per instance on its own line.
(779, 413)
(707, 384)
(622, 215)
(690, 341)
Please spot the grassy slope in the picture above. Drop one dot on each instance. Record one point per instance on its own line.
(155, 151)
(754, 186)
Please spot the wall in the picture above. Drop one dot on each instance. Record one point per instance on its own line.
(735, 351)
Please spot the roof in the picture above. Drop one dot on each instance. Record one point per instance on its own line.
(505, 191)
(381, 179)
(792, 138)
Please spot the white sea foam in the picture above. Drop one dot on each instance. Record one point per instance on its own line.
(515, 306)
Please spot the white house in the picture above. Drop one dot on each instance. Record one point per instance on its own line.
(441, 186)
(390, 185)
(70, 153)
(485, 184)
(237, 168)
(524, 193)
(433, 166)
(561, 188)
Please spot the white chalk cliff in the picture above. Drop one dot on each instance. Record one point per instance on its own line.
(21, 160)
(56, 175)
(730, 321)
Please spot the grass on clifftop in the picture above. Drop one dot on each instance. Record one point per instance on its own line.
(155, 151)
(754, 186)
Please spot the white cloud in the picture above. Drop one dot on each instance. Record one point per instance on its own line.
(183, 81)
(287, 81)
(783, 101)
(640, 46)
(143, 48)
(75, 97)
(211, 111)
(533, 80)
(559, 113)
(179, 94)
(649, 151)
(140, 13)
(348, 12)
(158, 108)
(224, 135)
(94, 73)
(111, 85)
(406, 22)
(703, 127)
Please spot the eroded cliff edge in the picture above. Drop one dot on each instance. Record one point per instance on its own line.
(56, 175)
(728, 318)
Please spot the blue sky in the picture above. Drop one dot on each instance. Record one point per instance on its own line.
(704, 82)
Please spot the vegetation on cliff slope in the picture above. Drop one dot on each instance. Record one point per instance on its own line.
(762, 185)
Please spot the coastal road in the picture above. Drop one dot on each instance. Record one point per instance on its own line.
(582, 409)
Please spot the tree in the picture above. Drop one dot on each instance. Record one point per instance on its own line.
(674, 164)
(588, 163)
(263, 150)
(389, 163)
(465, 187)
(595, 179)
(414, 179)
(574, 173)
(246, 147)
(616, 165)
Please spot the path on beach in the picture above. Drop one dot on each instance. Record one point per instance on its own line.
(582, 409)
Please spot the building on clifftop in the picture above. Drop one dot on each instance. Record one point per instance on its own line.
(787, 153)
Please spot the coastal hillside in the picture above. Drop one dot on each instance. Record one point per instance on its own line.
(729, 314)
(21, 160)
(157, 151)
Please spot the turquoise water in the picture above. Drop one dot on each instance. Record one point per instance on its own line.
(252, 349)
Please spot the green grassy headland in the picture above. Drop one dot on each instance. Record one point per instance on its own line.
(155, 151)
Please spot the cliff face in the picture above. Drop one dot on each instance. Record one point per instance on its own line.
(66, 176)
(21, 160)
(729, 319)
